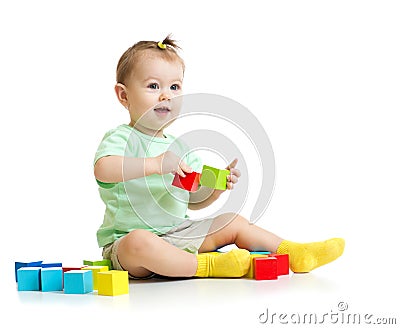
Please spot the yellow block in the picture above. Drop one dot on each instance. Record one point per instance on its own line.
(95, 270)
(113, 283)
(250, 273)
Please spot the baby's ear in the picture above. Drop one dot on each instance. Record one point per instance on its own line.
(122, 95)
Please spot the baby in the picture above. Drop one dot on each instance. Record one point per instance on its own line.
(146, 230)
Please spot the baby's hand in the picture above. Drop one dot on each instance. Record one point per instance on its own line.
(170, 163)
(234, 175)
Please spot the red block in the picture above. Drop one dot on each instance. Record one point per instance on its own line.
(189, 183)
(265, 268)
(283, 263)
(66, 269)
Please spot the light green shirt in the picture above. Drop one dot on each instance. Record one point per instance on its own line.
(149, 203)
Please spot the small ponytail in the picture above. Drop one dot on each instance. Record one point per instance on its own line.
(168, 41)
(167, 49)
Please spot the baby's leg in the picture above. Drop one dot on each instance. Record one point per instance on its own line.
(304, 257)
(232, 228)
(141, 253)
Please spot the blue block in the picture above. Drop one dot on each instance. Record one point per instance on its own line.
(78, 282)
(18, 265)
(52, 279)
(260, 252)
(29, 278)
(51, 265)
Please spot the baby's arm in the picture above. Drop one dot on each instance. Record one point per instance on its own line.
(202, 198)
(114, 169)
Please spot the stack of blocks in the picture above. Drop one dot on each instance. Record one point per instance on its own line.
(211, 177)
(39, 276)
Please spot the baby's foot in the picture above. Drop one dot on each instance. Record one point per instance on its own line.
(304, 257)
(233, 264)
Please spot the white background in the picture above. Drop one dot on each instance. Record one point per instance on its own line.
(321, 76)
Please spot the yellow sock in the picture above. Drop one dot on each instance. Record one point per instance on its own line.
(304, 257)
(232, 264)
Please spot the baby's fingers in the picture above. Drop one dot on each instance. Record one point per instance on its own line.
(236, 173)
(233, 179)
(229, 186)
(184, 168)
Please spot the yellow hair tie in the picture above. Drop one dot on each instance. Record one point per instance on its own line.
(161, 45)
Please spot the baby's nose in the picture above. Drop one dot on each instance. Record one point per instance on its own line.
(165, 96)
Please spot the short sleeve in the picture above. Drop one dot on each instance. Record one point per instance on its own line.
(113, 143)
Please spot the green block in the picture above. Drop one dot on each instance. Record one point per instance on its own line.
(214, 178)
(103, 262)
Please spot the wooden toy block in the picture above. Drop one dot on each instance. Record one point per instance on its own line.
(189, 183)
(265, 268)
(52, 279)
(29, 278)
(260, 252)
(95, 270)
(102, 262)
(250, 273)
(51, 265)
(214, 178)
(283, 263)
(113, 283)
(18, 265)
(78, 282)
(73, 268)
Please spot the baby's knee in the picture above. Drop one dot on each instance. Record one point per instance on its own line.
(236, 218)
(137, 241)
(232, 220)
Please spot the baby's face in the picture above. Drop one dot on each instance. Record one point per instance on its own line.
(151, 90)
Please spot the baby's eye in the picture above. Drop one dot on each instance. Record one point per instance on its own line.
(153, 86)
(175, 87)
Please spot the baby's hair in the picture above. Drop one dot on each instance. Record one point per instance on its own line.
(168, 41)
(132, 55)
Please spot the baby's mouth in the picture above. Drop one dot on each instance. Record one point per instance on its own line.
(162, 109)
